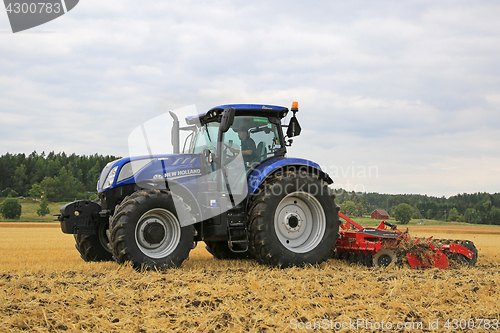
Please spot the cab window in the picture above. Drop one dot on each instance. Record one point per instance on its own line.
(256, 133)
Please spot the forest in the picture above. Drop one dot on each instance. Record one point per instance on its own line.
(477, 208)
(59, 177)
(62, 177)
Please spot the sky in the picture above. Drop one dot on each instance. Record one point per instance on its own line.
(394, 96)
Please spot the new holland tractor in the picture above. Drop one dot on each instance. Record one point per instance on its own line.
(232, 187)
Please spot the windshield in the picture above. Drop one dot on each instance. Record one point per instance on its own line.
(205, 138)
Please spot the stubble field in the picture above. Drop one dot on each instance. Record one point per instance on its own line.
(46, 287)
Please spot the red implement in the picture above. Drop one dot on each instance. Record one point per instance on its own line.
(385, 244)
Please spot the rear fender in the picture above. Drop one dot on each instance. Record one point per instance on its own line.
(268, 167)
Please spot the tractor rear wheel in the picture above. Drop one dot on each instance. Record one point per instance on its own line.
(145, 230)
(293, 220)
(220, 250)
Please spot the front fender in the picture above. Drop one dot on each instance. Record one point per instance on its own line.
(268, 167)
(181, 191)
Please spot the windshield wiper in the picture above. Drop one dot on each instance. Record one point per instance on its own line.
(208, 133)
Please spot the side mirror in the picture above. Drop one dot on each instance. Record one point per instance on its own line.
(293, 128)
(208, 156)
(227, 119)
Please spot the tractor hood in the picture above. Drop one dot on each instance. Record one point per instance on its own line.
(150, 169)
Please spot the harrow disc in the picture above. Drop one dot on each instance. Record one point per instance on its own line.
(469, 245)
(368, 260)
(457, 256)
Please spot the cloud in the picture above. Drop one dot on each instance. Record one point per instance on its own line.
(410, 87)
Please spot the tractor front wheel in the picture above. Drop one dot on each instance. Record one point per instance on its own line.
(293, 220)
(145, 230)
(94, 247)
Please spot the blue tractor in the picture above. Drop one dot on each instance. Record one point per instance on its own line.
(232, 187)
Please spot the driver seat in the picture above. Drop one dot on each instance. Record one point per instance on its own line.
(261, 152)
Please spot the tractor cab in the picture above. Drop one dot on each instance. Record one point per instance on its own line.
(261, 123)
(233, 140)
(255, 133)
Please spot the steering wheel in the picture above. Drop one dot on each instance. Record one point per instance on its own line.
(227, 154)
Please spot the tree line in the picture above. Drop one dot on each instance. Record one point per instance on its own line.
(478, 208)
(61, 177)
(58, 177)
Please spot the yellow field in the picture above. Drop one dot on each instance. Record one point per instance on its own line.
(46, 287)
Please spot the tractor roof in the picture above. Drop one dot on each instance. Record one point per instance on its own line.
(241, 109)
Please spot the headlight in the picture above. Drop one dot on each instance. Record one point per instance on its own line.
(104, 172)
(110, 178)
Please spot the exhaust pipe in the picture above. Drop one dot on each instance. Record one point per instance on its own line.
(175, 133)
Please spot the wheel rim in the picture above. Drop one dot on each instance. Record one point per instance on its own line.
(384, 258)
(157, 233)
(300, 222)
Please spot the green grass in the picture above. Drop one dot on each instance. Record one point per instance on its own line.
(366, 221)
(29, 208)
